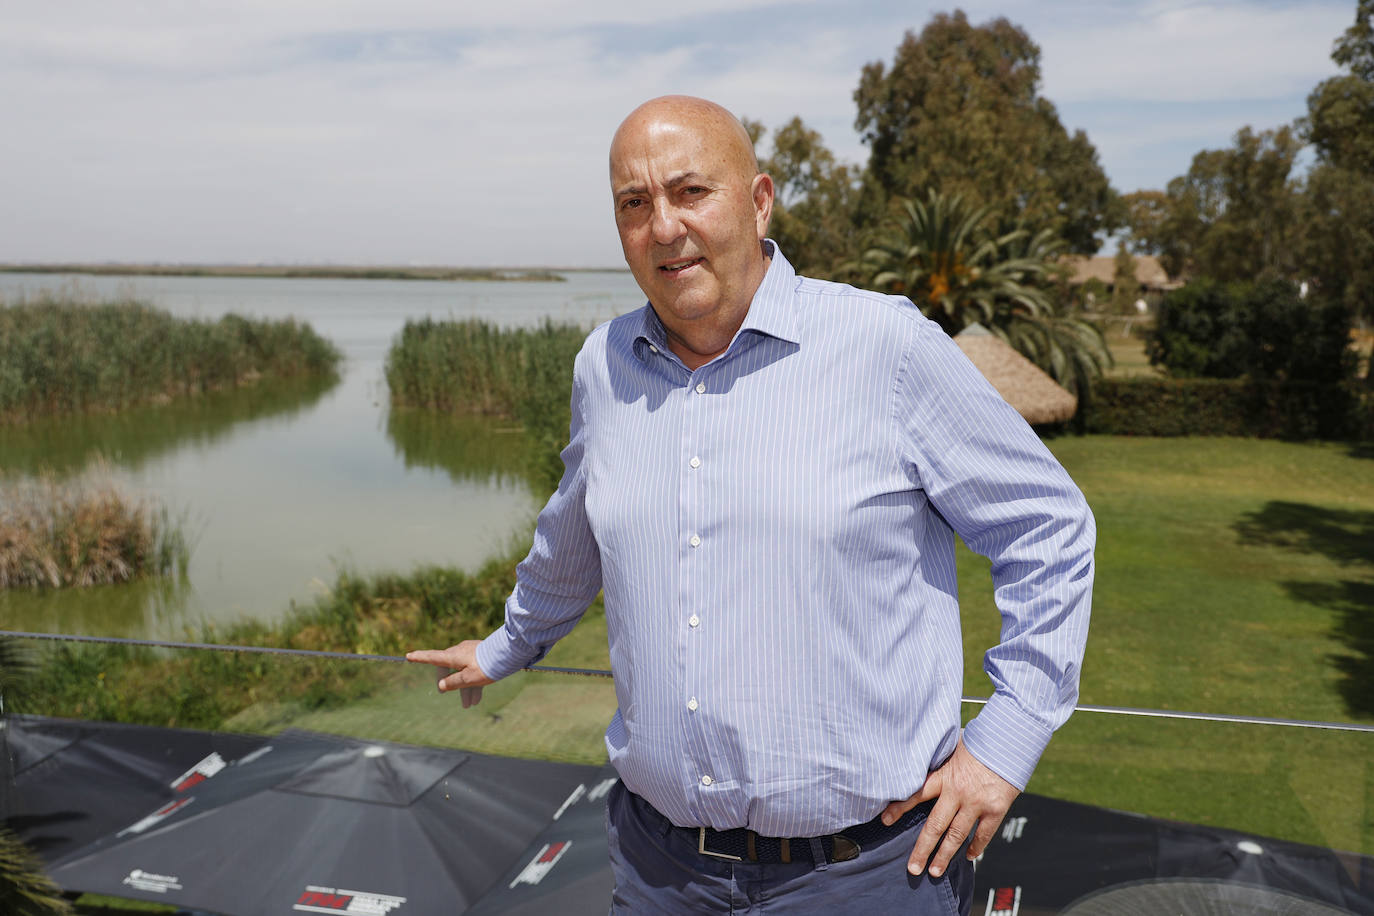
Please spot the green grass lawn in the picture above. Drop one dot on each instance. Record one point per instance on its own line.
(1234, 576)
(1128, 355)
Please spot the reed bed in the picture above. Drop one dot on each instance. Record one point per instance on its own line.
(384, 615)
(60, 355)
(474, 367)
(76, 534)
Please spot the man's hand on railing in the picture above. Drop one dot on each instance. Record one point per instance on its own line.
(467, 676)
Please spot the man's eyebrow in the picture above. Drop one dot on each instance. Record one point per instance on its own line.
(676, 181)
(685, 178)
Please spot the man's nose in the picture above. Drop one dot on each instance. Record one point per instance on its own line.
(667, 225)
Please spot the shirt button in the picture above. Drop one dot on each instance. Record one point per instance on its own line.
(692, 704)
(693, 621)
(695, 541)
(701, 387)
(653, 349)
(695, 462)
(706, 780)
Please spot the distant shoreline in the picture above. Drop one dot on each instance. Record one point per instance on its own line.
(317, 272)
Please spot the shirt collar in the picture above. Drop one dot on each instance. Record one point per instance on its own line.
(771, 311)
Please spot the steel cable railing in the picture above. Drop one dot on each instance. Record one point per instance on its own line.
(600, 672)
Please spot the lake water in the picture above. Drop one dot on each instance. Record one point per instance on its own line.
(281, 486)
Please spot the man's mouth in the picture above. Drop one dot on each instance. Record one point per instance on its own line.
(677, 266)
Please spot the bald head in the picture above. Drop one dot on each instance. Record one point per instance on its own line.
(692, 210)
(714, 127)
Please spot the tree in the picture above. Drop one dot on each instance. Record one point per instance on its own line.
(959, 112)
(941, 255)
(1233, 216)
(938, 254)
(1146, 214)
(814, 211)
(1125, 286)
(1338, 246)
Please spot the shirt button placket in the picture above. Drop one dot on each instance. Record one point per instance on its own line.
(693, 500)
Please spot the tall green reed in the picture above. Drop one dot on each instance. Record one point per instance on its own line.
(60, 355)
(474, 367)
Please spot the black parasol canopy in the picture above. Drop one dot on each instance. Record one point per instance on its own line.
(65, 783)
(316, 823)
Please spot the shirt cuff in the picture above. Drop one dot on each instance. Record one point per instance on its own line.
(502, 654)
(1007, 739)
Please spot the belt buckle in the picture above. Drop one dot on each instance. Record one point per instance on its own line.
(701, 848)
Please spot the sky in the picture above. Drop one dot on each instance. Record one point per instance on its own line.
(475, 133)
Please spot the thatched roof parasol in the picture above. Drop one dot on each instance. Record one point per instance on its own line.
(1035, 395)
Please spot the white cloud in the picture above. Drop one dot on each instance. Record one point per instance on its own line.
(420, 130)
(1180, 51)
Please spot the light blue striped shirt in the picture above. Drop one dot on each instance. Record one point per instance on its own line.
(773, 536)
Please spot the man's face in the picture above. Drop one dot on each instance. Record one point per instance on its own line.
(690, 215)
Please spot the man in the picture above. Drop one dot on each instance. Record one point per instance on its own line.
(763, 475)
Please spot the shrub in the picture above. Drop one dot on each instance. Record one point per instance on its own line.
(384, 614)
(1263, 330)
(54, 536)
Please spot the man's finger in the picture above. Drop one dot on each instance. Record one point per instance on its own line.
(430, 657)
(929, 789)
(954, 838)
(987, 829)
(458, 680)
(932, 830)
(471, 696)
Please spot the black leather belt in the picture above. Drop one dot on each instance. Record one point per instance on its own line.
(744, 845)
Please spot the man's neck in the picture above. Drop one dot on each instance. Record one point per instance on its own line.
(714, 341)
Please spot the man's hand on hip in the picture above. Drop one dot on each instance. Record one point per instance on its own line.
(467, 675)
(967, 793)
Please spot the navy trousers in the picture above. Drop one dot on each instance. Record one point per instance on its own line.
(658, 870)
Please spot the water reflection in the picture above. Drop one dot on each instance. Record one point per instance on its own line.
(283, 487)
(131, 438)
(470, 449)
(142, 606)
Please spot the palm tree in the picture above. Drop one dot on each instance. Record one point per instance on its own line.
(25, 889)
(1069, 348)
(943, 255)
(940, 255)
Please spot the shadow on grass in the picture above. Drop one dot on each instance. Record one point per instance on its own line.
(1343, 535)
(1346, 537)
(1354, 602)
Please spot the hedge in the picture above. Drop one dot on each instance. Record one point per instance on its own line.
(1230, 407)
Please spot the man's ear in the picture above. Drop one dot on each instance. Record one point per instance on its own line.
(762, 190)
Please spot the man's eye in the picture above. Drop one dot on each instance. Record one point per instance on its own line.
(632, 203)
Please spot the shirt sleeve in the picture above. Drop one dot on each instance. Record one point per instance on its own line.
(562, 573)
(998, 487)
